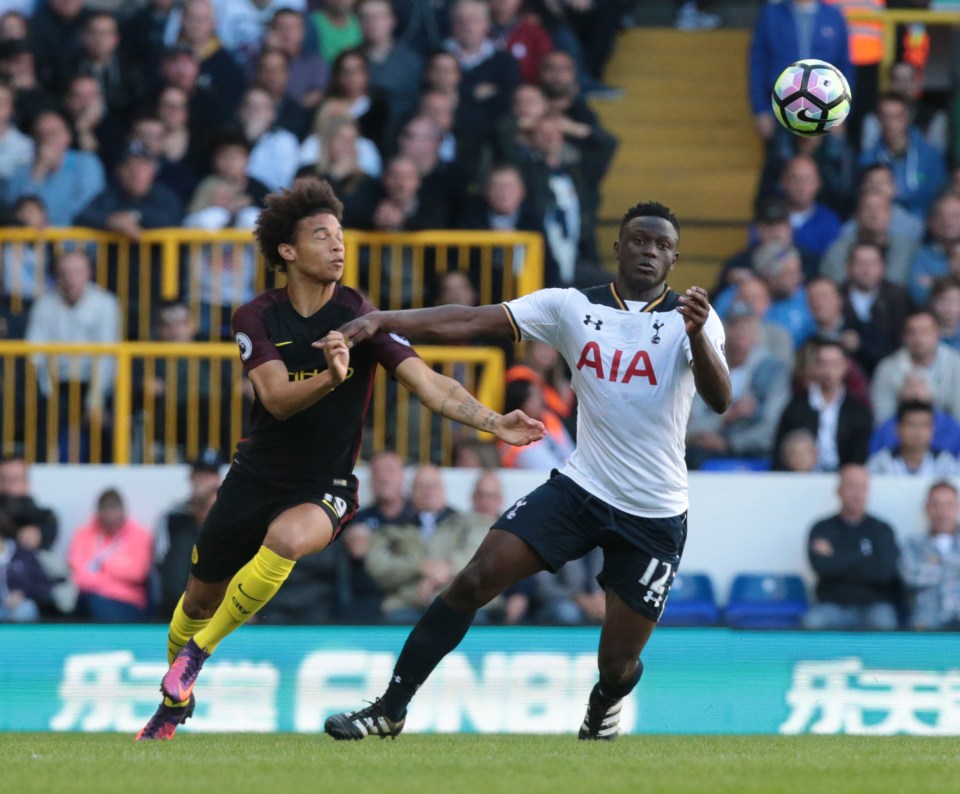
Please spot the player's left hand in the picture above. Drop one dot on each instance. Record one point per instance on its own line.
(337, 354)
(518, 429)
(695, 309)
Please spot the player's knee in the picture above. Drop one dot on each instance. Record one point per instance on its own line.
(200, 605)
(470, 589)
(291, 541)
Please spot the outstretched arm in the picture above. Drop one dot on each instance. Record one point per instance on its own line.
(448, 398)
(438, 324)
(709, 373)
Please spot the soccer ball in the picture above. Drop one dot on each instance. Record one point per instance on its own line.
(810, 97)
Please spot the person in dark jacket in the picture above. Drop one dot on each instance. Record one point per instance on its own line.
(856, 558)
(841, 425)
(36, 526)
(24, 587)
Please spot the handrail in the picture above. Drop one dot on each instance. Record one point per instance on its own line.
(488, 387)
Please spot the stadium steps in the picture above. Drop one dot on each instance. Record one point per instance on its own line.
(686, 139)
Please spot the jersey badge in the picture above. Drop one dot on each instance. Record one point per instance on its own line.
(245, 345)
(657, 325)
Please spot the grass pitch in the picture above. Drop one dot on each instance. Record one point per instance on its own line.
(45, 763)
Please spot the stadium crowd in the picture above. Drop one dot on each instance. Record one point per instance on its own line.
(842, 313)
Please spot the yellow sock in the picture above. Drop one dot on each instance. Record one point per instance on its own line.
(253, 586)
(182, 628)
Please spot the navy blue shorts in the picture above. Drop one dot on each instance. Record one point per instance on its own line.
(562, 522)
(245, 507)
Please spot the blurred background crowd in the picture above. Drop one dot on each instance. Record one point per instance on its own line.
(842, 310)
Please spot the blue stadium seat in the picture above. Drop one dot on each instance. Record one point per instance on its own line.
(735, 464)
(691, 602)
(766, 601)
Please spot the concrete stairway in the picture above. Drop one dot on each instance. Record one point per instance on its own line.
(686, 140)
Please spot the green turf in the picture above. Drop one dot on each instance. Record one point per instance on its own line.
(289, 764)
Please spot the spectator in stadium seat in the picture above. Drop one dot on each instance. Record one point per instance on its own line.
(362, 596)
(908, 79)
(274, 152)
(933, 258)
(273, 75)
(931, 563)
(798, 451)
(914, 453)
(122, 83)
(65, 179)
(855, 557)
(771, 221)
(93, 128)
(18, 70)
(922, 350)
(24, 587)
(135, 201)
(110, 557)
(177, 529)
(447, 183)
(146, 33)
(916, 388)
(26, 266)
(412, 562)
(919, 170)
(56, 31)
(441, 109)
(761, 390)
(541, 365)
(168, 138)
(781, 270)
(207, 108)
(871, 225)
(945, 304)
(815, 226)
(16, 149)
(337, 28)
(878, 178)
(558, 195)
(404, 204)
(368, 156)
(840, 424)
(826, 308)
(874, 308)
(395, 69)
(36, 530)
(350, 82)
(521, 34)
(550, 452)
(488, 75)
(309, 72)
(229, 185)
(244, 26)
(78, 310)
(581, 126)
(510, 139)
(753, 292)
(219, 70)
(571, 597)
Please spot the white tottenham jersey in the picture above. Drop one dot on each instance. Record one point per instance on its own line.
(631, 372)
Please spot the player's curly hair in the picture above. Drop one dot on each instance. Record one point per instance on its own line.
(279, 221)
(650, 209)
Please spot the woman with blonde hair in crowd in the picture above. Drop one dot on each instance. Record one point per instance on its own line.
(368, 155)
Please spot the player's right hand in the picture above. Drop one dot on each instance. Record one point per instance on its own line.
(337, 354)
(518, 429)
(359, 329)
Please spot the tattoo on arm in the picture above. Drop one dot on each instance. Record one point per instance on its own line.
(443, 405)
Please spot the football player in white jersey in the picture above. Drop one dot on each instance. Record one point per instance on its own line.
(637, 351)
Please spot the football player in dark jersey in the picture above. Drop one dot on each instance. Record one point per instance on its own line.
(291, 489)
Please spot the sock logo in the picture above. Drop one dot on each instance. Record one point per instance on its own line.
(247, 595)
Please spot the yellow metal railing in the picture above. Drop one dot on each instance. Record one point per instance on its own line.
(143, 402)
(218, 271)
(893, 17)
